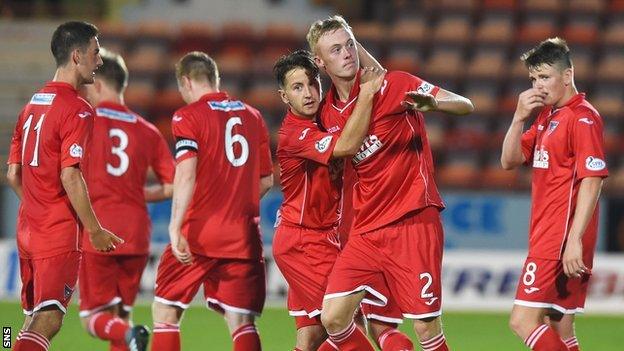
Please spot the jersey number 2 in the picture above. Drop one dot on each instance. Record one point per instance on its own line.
(230, 140)
(124, 160)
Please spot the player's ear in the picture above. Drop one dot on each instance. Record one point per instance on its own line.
(568, 76)
(319, 62)
(284, 97)
(75, 57)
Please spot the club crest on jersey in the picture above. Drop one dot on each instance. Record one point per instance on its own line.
(370, 145)
(75, 151)
(540, 159)
(323, 144)
(67, 292)
(595, 164)
(552, 126)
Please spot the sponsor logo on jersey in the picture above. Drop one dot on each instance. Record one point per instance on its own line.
(116, 115)
(586, 120)
(84, 114)
(531, 290)
(177, 118)
(552, 126)
(323, 144)
(369, 147)
(75, 151)
(333, 129)
(595, 164)
(304, 133)
(425, 88)
(540, 159)
(226, 105)
(42, 99)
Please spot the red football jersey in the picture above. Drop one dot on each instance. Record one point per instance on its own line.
(231, 143)
(122, 149)
(394, 166)
(311, 187)
(50, 134)
(564, 146)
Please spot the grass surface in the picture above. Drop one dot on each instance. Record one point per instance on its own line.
(205, 330)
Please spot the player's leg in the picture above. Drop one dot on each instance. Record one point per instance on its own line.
(563, 324)
(310, 338)
(388, 337)
(528, 324)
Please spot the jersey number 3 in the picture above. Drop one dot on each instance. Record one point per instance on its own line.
(119, 151)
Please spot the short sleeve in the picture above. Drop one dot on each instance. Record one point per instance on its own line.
(15, 153)
(311, 143)
(528, 142)
(74, 133)
(185, 133)
(421, 86)
(162, 163)
(588, 146)
(266, 165)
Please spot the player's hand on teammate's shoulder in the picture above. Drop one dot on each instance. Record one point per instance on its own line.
(528, 101)
(420, 102)
(104, 241)
(371, 80)
(181, 249)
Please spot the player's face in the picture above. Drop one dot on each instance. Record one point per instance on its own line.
(337, 54)
(301, 92)
(89, 61)
(551, 81)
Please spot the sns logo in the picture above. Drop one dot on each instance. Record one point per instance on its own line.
(75, 151)
(595, 164)
(369, 147)
(304, 133)
(425, 88)
(540, 159)
(323, 144)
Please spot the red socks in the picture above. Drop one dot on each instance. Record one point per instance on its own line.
(31, 341)
(328, 345)
(572, 344)
(544, 338)
(392, 339)
(166, 337)
(437, 343)
(107, 326)
(351, 339)
(246, 338)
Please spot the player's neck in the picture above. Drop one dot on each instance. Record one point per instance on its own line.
(343, 87)
(196, 94)
(68, 76)
(569, 94)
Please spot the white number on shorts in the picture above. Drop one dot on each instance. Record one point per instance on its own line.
(236, 138)
(529, 274)
(124, 160)
(423, 293)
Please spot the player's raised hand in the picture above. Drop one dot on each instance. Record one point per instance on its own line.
(573, 265)
(181, 249)
(104, 241)
(371, 80)
(420, 102)
(528, 101)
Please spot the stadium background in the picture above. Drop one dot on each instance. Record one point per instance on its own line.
(468, 46)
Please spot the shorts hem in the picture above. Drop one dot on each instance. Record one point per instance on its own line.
(171, 303)
(381, 302)
(49, 303)
(113, 302)
(383, 318)
(437, 313)
(302, 313)
(549, 305)
(210, 302)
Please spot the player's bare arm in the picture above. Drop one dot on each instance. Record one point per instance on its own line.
(183, 185)
(357, 125)
(366, 59)
(158, 192)
(266, 183)
(76, 189)
(589, 192)
(14, 177)
(445, 101)
(512, 155)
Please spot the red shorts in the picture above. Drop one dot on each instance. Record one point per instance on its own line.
(107, 280)
(48, 281)
(235, 285)
(305, 257)
(544, 285)
(404, 258)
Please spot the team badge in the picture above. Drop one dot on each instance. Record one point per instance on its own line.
(75, 151)
(67, 292)
(552, 126)
(323, 144)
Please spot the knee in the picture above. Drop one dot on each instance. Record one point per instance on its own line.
(333, 321)
(516, 323)
(310, 338)
(162, 313)
(427, 328)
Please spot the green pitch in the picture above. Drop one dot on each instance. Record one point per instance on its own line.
(205, 330)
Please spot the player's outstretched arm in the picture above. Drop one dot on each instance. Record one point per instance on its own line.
(183, 185)
(14, 177)
(266, 183)
(76, 190)
(357, 125)
(512, 156)
(588, 194)
(366, 59)
(158, 192)
(444, 101)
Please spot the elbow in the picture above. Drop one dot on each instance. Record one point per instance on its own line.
(507, 165)
(468, 108)
(12, 178)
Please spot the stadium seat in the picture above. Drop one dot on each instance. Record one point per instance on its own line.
(583, 32)
(264, 96)
(494, 176)
(535, 30)
(194, 36)
(453, 29)
(487, 64)
(402, 60)
(610, 67)
(608, 101)
(542, 6)
(234, 60)
(444, 64)
(499, 6)
(408, 31)
(140, 94)
(147, 59)
(587, 6)
(496, 29)
(614, 33)
(459, 171)
(484, 97)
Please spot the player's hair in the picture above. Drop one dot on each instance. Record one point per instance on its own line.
(320, 27)
(298, 59)
(552, 51)
(198, 66)
(113, 70)
(70, 36)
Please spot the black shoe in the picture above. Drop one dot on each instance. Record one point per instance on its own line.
(137, 338)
